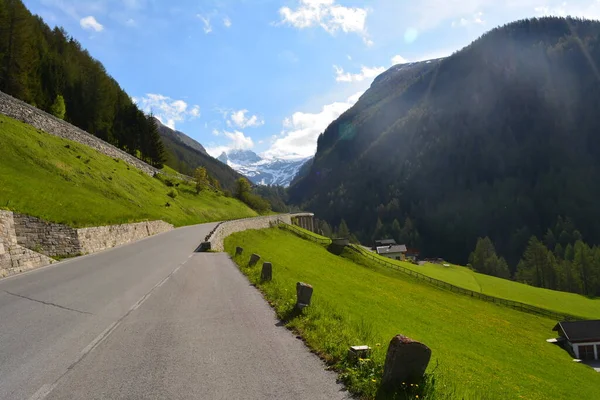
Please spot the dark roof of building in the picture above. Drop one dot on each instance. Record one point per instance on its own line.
(399, 248)
(580, 330)
(385, 242)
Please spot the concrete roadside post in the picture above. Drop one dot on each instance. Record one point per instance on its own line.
(239, 251)
(304, 293)
(406, 361)
(267, 272)
(254, 259)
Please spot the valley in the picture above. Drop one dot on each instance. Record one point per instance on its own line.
(438, 239)
(261, 171)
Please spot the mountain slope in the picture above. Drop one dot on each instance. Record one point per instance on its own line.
(184, 154)
(42, 66)
(262, 171)
(67, 182)
(498, 139)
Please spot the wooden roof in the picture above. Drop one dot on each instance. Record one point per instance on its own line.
(580, 331)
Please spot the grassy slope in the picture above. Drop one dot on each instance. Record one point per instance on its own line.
(76, 185)
(484, 351)
(553, 300)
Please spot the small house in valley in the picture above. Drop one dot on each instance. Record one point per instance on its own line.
(393, 251)
(580, 338)
(383, 242)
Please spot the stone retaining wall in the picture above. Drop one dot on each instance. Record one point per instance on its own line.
(27, 242)
(13, 257)
(225, 229)
(103, 237)
(53, 240)
(39, 119)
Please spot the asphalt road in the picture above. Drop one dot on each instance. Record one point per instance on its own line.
(150, 320)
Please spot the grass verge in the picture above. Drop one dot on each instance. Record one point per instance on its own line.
(65, 182)
(553, 300)
(480, 350)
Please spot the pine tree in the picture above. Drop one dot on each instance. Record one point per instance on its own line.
(343, 231)
(156, 148)
(378, 233)
(396, 230)
(200, 178)
(58, 108)
(242, 188)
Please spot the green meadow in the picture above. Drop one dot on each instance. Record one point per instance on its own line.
(479, 350)
(66, 182)
(553, 300)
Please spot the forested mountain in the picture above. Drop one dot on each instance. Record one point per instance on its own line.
(50, 70)
(185, 155)
(501, 139)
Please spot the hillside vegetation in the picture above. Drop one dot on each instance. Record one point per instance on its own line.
(66, 182)
(479, 350)
(185, 155)
(560, 302)
(49, 69)
(499, 139)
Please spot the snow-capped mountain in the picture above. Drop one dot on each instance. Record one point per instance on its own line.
(262, 171)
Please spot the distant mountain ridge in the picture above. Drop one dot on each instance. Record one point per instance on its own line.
(499, 139)
(184, 154)
(262, 171)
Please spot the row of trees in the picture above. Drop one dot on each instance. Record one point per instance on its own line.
(567, 263)
(50, 70)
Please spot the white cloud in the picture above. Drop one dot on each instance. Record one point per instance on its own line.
(90, 23)
(328, 15)
(130, 22)
(166, 109)
(398, 59)
(226, 22)
(586, 9)
(237, 141)
(301, 130)
(240, 120)
(476, 19)
(206, 21)
(365, 73)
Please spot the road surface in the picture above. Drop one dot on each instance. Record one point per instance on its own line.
(150, 320)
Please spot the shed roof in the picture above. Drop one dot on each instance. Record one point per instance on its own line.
(385, 242)
(399, 248)
(580, 331)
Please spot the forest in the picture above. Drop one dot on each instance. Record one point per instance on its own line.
(498, 140)
(50, 70)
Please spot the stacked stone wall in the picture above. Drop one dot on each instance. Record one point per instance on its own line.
(39, 119)
(53, 240)
(217, 237)
(103, 237)
(27, 242)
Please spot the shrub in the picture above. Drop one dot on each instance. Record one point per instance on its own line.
(172, 194)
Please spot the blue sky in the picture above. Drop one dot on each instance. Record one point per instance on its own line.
(271, 75)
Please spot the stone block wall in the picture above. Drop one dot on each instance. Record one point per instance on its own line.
(53, 240)
(27, 242)
(13, 257)
(225, 229)
(20, 259)
(7, 228)
(39, 119)
(99, 238)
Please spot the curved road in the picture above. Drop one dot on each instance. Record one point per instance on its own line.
(150, 320)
